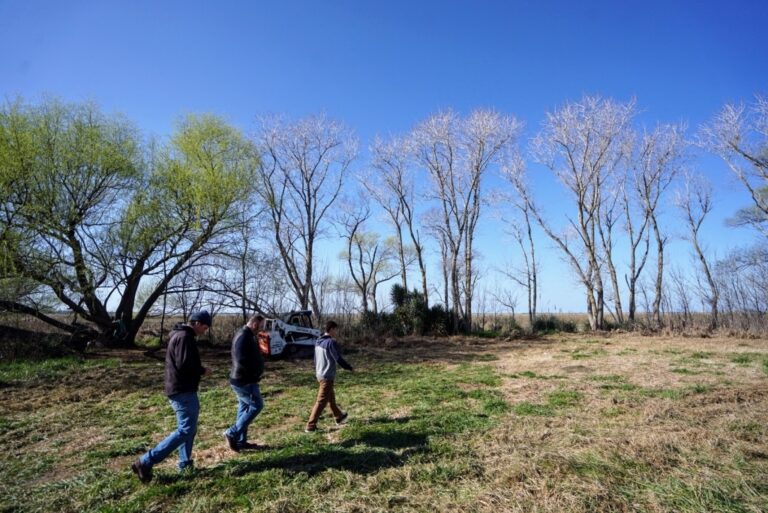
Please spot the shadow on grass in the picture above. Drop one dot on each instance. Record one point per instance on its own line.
(367, 453)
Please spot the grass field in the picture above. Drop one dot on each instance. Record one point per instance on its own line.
(572, 423)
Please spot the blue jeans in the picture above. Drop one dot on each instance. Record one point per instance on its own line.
(251, 404)
(187, 408)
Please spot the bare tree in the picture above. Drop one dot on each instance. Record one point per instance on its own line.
(655, 165)
(583, 143)
(679, 298)
(739, 135)
(523, 235)
(303, 168)
(456, 154)
(608, 217)
(368, 257)
(393, 188)
(695, 202)
(742, 278)
(639, 246)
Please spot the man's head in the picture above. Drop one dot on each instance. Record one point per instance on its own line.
(200, 321)
(331, 327)
(255, 323)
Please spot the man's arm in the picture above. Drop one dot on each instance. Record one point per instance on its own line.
(340, 359)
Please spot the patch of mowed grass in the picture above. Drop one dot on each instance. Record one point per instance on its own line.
(556, 402)
(749, 430)
(533, 375)
(410, 428)
(612, 382)
(564, 398)
(675, 393)
(583, 353)
(684, 371)
(43, 370)
(711, 495)
(624, 483)
(745, 358)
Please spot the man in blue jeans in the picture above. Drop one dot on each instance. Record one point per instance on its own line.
(247, 368)
(183, 371)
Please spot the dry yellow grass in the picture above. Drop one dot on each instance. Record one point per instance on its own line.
(661, 411)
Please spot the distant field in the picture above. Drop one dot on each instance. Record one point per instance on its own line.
(566, 423)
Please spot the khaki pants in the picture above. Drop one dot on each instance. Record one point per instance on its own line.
(325, 396)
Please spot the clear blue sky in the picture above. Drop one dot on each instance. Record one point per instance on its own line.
(382, 66)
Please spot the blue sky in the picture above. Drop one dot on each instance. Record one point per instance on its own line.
(380, 67)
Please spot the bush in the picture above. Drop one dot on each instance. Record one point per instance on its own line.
(411, 313)
(552, 324)
(438, 321)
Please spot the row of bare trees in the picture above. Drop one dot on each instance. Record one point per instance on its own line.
(238, 223)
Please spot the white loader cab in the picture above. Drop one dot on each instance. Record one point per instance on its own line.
(288, 333)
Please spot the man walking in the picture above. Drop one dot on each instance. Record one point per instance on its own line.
(183, 371)
(247, 368)
(327, 355)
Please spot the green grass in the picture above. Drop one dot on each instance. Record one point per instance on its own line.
(446, 434)
(555, 403)
(612, 382)
(413, 418)
(583, 353)
(26, 371)
(745, 358)
(685, 371)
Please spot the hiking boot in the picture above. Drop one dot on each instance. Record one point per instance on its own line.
(342, 419)
(143, 472)
(231, 442)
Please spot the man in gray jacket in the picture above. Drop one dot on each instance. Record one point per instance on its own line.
(247, 368)
(327, 355)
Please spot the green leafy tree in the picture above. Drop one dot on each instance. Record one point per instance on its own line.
(90, 211)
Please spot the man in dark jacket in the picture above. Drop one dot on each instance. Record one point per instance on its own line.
(183, 371)
(327, 355)
(247, 368)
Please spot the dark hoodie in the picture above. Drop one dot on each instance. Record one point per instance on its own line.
(247, 362)
(183, 369)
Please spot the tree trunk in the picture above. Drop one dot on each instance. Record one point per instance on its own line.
(656, 309)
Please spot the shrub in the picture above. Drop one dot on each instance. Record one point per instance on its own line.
(411, 313)
(552, 324)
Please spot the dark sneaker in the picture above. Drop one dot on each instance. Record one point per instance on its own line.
(231, 442)
(143, 472)
(310, 429)
(248, 446)
(343, 418)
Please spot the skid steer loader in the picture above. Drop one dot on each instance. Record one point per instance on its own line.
(290, 334)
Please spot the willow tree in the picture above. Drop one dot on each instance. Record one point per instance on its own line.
(89, 212)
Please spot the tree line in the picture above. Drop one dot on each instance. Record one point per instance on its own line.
(113, 226)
